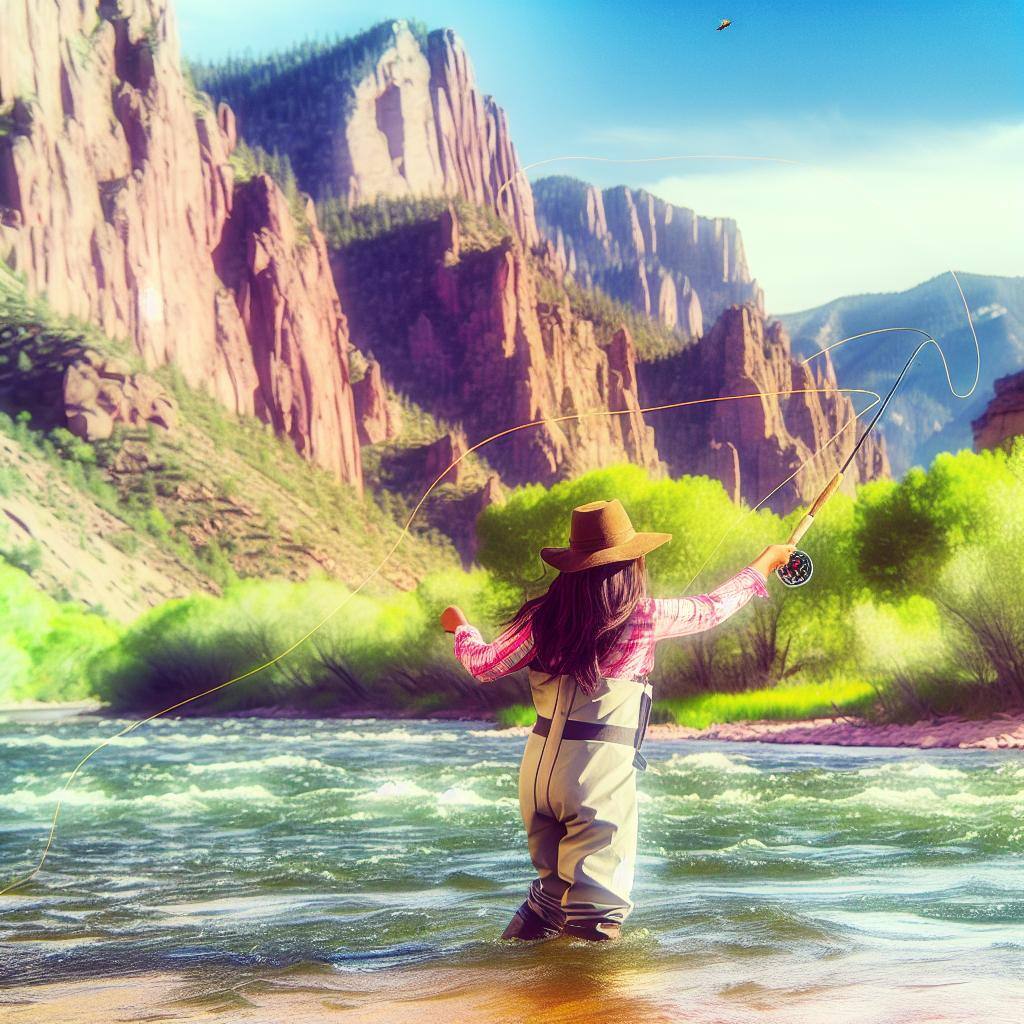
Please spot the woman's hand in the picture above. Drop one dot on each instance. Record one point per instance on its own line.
(772, 557)
(452, 618)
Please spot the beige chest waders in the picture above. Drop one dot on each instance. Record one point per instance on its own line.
(577, 794)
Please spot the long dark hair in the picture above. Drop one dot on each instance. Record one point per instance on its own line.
(581, 615)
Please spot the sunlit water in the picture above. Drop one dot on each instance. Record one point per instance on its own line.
(258, 869)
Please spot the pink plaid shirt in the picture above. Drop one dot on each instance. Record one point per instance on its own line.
(633, 654)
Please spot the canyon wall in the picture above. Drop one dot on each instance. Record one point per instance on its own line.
(394, 112)
(118, 201)
(464, 331)
(752, 445)
(1003, 418)
(664, 260)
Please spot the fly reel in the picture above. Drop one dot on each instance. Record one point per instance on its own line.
(797, 570)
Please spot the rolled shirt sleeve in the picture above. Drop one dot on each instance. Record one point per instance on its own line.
(487, 661)
(680, 616)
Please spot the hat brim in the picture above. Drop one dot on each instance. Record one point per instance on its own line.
(567, 560)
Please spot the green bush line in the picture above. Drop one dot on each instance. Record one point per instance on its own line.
(856, 640)
(781, 703)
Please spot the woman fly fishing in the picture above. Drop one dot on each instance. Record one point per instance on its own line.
(588, 643)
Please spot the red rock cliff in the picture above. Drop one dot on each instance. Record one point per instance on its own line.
(1003, 418)
(465, 333)
(392, 112)
(115, 193)
(752, 445)
(298, 335)
(476, 150)
(664, 260)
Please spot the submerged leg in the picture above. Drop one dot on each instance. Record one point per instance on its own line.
(541, 915)
(528, 924)
(599, 855)
(544, 834)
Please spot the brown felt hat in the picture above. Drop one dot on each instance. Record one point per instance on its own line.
(601, 533)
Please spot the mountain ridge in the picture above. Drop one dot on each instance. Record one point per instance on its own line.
(924, 418)
(667, 261)
(392, 112)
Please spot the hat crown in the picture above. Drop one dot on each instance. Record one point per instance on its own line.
(599, 524)
(599, 533)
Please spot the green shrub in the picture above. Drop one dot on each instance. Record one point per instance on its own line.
(515, 715)
(47, 648)
(156, 523)
(378, 651)
(125, 541)
(10, 480)
(906, 532)
(26, 557)
(779, 703)
(68, 446)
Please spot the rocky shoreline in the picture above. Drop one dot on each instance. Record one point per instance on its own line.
(1000, 732)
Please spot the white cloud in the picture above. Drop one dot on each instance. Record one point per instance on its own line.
(878, 220)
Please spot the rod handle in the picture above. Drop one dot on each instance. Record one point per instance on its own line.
(801, 528)
(829, 489)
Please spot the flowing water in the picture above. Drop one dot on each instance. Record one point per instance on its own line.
(271, 870)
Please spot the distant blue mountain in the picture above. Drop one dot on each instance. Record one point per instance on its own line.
(924, 418)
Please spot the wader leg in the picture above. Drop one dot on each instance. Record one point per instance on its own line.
(541, 915)
(544, 835)
(600, 857)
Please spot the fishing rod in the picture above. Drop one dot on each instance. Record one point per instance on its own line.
(799, 569)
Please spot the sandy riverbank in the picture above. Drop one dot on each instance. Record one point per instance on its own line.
(530, 987)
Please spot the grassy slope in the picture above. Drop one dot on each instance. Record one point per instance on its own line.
(219, 498)
(72, 546)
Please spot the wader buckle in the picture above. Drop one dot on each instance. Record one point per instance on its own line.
(639, 761)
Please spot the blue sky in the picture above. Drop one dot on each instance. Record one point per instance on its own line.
(907, 120)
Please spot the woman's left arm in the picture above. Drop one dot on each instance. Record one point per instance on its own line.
(488, 661)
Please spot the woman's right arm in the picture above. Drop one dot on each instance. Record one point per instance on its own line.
(681, 616)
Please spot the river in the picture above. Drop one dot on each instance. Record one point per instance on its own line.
(251, 869)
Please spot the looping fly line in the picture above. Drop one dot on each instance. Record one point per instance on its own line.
(592, 414)
(394, 547)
